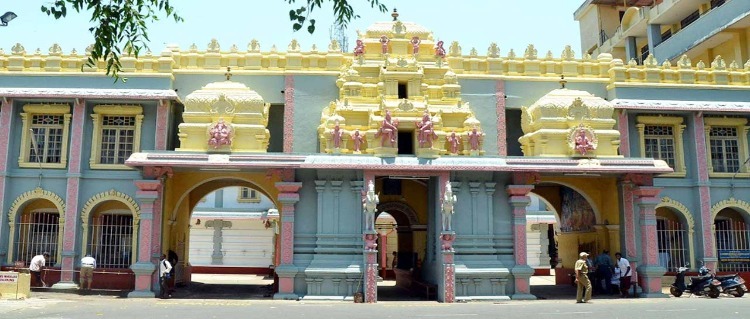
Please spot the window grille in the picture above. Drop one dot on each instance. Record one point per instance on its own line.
(47, 138)
(672, 241)
(732, 235)
(111, 241)
(38, 232)
(725, 151)
(660, 143)
(690, 19)
(118, 135)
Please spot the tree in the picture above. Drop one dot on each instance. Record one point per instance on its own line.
(120, 26)
(342, 9)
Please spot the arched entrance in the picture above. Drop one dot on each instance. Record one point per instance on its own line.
(732, 234)
(218, 233)
(674, 233)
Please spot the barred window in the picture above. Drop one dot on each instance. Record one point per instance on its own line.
(111, 241)
(118, 133)
(44, 138)
(660, 143)
(38, 232)
(725, 152)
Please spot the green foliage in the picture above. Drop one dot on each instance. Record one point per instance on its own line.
(119, 26)
(342, 10)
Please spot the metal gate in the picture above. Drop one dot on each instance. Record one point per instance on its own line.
(733, 245)
(672, 238)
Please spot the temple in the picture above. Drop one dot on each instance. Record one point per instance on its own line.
(476, 170)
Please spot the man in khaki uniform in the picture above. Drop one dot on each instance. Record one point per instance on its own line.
(582, 278)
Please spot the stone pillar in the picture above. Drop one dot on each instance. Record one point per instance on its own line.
(6, 115)
(447, 237)
(147, 194)
(449, 267)
(631, 49)
(71, 199)
(519, 199)
(371, 266)
(288, 196)
(650, 271)
(653, 32)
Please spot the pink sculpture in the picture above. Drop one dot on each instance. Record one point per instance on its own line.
(384, 44)
(439, 50)
(388, 130)
(426, 134)
(583, 143)
(371, 241)
(336, 135)
(415, 41)
(359, 49)
(454, 141)
(446, 241)
(475, 138)
(220, 134)
(358, 138)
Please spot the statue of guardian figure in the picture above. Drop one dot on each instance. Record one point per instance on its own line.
(369, 205)
(449, 200)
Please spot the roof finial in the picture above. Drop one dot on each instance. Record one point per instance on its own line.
(229, 73)
(394, 14)
(562, 81)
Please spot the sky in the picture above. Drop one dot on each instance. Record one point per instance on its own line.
(548, 24)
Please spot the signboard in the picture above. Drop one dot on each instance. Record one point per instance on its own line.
(737, 255)
(8, 277)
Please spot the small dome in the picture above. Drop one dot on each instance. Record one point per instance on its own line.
(566, 97)
(450, 77)
(237, 94)
(412, 29)
(471, 121)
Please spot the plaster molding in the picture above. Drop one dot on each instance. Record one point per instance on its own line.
(729, 203)
(680, 208)
(674, 105)
(85, 93)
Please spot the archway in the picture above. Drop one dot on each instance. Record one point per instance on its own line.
(732, 234)
(219, 235)
(674, 229)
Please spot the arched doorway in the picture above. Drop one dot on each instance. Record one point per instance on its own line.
(732, 235)
(219, 235)
(673, 239)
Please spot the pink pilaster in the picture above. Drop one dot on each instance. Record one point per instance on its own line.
(649, 271)
(6, 113)
(288, 113)
(629, 221)
(519, 199)
(162, 125)
(622, 123)
(447, 238)
(71, 194)
(502, 145)
(704, 194)
(288, 197)
(148, 194)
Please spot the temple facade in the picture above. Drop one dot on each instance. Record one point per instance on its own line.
(452, 144)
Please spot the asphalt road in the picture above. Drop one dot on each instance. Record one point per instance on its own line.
(73, 306)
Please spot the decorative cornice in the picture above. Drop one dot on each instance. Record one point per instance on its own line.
(729, 203)
(107, 196)
(37, 193)
(71, 93)
(672, 105)
(679, 207)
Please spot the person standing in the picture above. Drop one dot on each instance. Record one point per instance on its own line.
(88, 264)
(37, 265)
(164, 268)
(603, 264)
(582, 279)
(625, 276)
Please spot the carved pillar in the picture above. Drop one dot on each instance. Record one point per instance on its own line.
(71, 198)
(336, 188)
(6, 114)
(519, 199)
(147, 194)
(447, 237)
(370, 237)
(650, 271)
(288, 196)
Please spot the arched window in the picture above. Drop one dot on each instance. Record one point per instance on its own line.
(38, 232)
(672, 236)
(111, 238)
(732, 240)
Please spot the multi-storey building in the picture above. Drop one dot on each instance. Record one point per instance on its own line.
(451, 143)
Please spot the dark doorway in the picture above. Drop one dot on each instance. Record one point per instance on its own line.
(405, 143)
(402, 92)
(276, 128)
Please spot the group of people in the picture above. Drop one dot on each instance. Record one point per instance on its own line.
(88, 264)
(608, 277)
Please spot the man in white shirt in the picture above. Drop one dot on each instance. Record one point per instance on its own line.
(164, 268)
(88, 264)
(626, 274)
(37, 265)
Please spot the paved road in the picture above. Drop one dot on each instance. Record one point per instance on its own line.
(56, 305)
